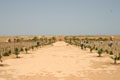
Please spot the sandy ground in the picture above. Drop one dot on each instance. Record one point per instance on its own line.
(60, 62)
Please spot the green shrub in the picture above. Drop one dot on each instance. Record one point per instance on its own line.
(111, 53)
(115, 59)
(0, 58)
(26, 49)
(91, 49)
(100, 52)
(106, 51)
(21, 49)
(9, 52)
(32, 47)
(101, 49)
(5, 54)
(16, 52)
(84, 46)
(36, 46)
(96, 48)
(119, 57)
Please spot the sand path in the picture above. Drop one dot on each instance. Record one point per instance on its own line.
(60, 62)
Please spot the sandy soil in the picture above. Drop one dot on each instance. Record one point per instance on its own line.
(60, 62)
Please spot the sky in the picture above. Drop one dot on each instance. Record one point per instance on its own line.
(59, 17)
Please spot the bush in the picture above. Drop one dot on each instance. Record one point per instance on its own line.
(115, 59)
(106, 51)
(111, 53)
(84, 46)
(32, 47)
(26, 50)
(36, 46)
(101, 49)
(119, 57)
(9, 51)
(5, 54)
(21, 49)
(35, 38)
(0, 58)
(96, 48)
(100, 52)
(16, 52)
(91, 49)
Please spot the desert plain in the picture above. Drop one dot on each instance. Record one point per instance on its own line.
(60, 62)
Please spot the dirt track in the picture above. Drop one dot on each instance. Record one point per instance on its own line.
(60, 62)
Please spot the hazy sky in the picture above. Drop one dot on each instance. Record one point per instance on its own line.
(59, 17)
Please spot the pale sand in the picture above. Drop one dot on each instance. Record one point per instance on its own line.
(60, 62)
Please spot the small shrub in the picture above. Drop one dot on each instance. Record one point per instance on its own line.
(111, 53)
(101, 49)
(21, 49)
(9, 51)
(1, 58)
(26, 50)
(91, 49)
(84, 46)
(100, 52)
(5, 54)
(106, 51)
(32, 47)
(36, 46)
(115, 59)
(96, 48)
(16, 52)
(119, 57)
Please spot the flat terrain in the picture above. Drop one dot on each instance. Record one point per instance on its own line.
(60, 62)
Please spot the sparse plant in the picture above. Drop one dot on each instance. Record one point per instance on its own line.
(119, 57)
(21, 49)
(100, 52)
(91, 49)
(26, 49)
(106, 51)
(6, 54)
(115, 58)
(16, 52)
(35, 38)
(9, 52)
(85, 47)
(111, 53)
(96, 48)
(37, 46)
(32, 47)
(1, 58)
(38, 43)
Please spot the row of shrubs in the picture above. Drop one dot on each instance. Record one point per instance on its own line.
(18, 50)
(99, 51)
